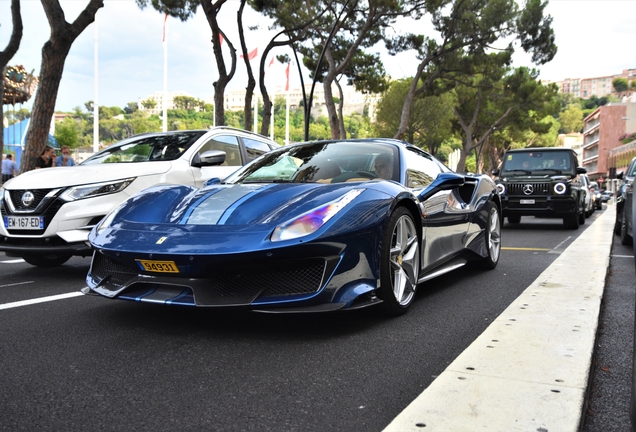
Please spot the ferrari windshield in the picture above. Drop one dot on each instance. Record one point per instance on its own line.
(520, 163)
(332, 162)
(147, 148)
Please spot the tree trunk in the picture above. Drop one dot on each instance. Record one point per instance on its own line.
(251, 82)
(6, 55)
(54, 54)
(343, 131)
(211, 10)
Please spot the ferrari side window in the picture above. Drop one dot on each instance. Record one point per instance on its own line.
(420, 170)
(227, 143)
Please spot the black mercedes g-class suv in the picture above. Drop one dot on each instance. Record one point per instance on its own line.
(542, 182)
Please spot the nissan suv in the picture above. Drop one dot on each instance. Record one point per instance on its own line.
(48, 213)
(542, 182)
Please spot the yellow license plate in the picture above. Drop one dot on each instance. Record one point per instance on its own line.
(158, 266)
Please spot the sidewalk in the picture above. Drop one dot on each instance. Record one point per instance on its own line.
(529, 370)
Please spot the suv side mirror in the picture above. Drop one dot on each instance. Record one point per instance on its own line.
(620, 175)
(496, 172)
(581, 170)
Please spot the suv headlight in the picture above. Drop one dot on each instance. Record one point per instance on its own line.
(501, 188)
(560, 188)
(96, 189)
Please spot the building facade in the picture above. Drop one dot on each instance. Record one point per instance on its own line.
(600, 86)
(601, 132)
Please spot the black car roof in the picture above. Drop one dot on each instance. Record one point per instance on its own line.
(534, 149)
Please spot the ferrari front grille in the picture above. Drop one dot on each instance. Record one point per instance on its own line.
(294, 279)
(104, 266)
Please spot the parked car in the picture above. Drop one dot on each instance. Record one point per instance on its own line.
(310, 227)
(598, 197)
(48, 213)
(606, 196)
(589, 195)
(544, 182)
(623, 226)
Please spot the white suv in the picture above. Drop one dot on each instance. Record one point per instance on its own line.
(48, 213)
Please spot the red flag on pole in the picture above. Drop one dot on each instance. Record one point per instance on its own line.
(271, 62)
(220, 39)
(251, 54)
(165, 18)
(287, 75)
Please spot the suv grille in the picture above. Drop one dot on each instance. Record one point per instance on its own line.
(537, 188)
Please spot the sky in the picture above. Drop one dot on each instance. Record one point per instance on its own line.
(594, 38)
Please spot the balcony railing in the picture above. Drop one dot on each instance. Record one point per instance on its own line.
(591, 125)
(590, 153)
(591, 139)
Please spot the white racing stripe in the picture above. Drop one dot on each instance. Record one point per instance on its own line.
(40, 300)
(12, 261)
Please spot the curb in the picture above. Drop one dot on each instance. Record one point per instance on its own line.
(529, 370)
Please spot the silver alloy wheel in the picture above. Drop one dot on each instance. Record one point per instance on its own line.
(404, 260)
(494, 235)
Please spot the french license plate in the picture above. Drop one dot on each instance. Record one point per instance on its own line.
(24, 222)
(526, 201)
(158, 266)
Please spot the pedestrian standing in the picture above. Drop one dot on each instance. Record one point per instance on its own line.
(9, 168)
(46, 159)
(65, 159)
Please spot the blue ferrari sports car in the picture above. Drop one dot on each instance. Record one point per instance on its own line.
(316, 226)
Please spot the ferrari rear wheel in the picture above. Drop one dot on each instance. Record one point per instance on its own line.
(493, 240)
(399, 263)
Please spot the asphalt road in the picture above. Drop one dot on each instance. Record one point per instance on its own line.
(610, 385)
(88, 363)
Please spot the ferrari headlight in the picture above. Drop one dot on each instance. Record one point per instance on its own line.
(501, 189)
(96, 189)
(560, 188)
(312, 220)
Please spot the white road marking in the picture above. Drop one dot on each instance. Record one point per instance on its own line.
(17, 283)
(40, 300)
(556, 250)
(20, 260)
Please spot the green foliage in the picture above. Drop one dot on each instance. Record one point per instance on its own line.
(149, 103)
(571, 118)
(430, 122)
(67, 132)
(15, 116)
(620, 85)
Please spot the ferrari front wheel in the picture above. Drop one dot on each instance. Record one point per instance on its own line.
(399, 263)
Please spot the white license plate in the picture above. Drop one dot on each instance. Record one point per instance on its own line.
(24, 222)
(527, 201)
